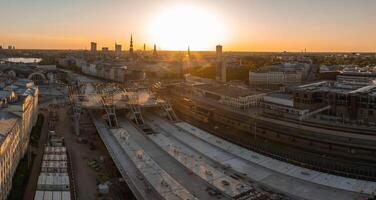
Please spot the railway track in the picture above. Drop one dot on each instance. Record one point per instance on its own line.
(296, 156)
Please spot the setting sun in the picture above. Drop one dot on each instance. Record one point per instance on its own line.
(182, 26)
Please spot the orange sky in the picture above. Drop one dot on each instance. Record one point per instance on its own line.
(239, 25)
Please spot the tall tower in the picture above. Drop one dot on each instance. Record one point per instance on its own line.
(155, 50)
(131, 46)
(117, 50)
(93, 47)
(189, 59)
(220, 69)
(144, 47)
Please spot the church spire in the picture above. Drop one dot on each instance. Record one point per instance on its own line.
(131, 46)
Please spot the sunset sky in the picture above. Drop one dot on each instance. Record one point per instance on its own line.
(239, 25)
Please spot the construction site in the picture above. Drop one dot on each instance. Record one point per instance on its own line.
(153, 166)
(160, 156)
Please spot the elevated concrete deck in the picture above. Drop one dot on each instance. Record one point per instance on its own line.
(124, 164)
(193, 161)
(159, 179)
(280, 176)
(193, 183)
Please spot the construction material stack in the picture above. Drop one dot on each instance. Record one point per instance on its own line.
(54, 182)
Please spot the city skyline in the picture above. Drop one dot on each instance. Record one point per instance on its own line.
(292, 25)
(187, 99)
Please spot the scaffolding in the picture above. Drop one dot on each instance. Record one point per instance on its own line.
(136, 111)
(166, 106)
(110, 108)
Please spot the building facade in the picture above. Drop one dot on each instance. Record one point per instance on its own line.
(346, 101)
(117, 50)
(357, 77)
(18, 116)
(226, 94)
(282, 74)
(275, 78)
(220, 66)
(93, 47)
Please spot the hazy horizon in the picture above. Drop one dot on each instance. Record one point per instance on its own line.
(240, 25)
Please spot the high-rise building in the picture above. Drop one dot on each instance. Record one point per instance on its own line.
(117, 50)
(155, 50)
(93, 47)
(131, 46)
(220, 69)
(188, 59)
(105, 50)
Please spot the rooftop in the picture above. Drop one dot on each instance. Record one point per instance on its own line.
(281, 95)
(291, 67)
(360, 74)
(7, 122)
(289, 178)
(229, 90)
(338, 87)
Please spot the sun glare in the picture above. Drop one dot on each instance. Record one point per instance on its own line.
(178, 27)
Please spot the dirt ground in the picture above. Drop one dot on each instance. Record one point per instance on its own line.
(91, 147)
(81, 152)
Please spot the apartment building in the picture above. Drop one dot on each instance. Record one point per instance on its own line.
(18, 114)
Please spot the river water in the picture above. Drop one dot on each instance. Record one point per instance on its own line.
(22, 60)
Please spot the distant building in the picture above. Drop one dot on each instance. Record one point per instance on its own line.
(131, 46)
(93, 47)
(155, 50)
(220, 68)
(234, 95)
(36, 73)
(357, 77)
(329, 72)
(117, 50)
(89, 69)
(344, 102)
(281, 104)
(118, 73)
(284, 74)
(237, 97)
(112, 71)
(105, 50)
(10, 47)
